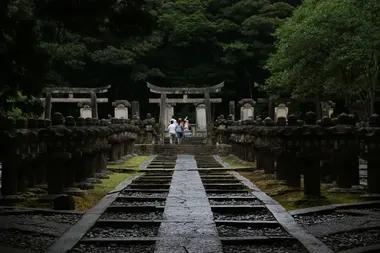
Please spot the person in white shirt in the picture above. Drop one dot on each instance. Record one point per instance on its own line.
(172, 132)
(174, 121)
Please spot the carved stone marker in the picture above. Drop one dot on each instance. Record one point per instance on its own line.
(246, 108)
(281, 111)
(85, 111)
(121, 109)
(169, 112)
(201, 117)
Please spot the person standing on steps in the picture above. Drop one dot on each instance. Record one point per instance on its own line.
(186, 128)
(179, 130)
(172, 132)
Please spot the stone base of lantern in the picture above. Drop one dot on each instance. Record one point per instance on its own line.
(370, 197)
(10, 199)
(93, 180)
(102, 175)
(37, 190)
(352, 190)
(42, 186)
(73, 191)
(84, 185)
(50, 197)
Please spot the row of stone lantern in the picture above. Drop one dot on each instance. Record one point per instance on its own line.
(289, 147)
(148, 133)
(61, 156)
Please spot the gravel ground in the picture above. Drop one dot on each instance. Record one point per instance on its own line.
(317, 218)
(93, 248)
(272, 248)
(25, 240)
(231, 231)
(132, 216)
(144, 194)
(242, 194)
(235, 202)
(134, 231)
(139, 203)
(260, 216)
(59, 218)
(353, 239)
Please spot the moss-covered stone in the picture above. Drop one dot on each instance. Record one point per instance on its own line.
(293, 198)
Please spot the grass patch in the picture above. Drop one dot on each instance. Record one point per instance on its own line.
(236, 162)
(133, 163)
(86, 202)
(293, 198)
(100, 190)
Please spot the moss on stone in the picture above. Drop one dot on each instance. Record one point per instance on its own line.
(235, 162)
(94, 195)
(100, 190)
(292, 198)
(132, 163)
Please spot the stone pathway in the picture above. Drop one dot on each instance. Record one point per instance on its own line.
(189, 225)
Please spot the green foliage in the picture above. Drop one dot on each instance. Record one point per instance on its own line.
(328, 47)
(214, 40)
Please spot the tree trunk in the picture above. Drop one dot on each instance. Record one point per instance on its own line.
(374, 83)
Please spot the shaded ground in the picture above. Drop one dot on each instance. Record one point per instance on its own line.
(94, 195)
(35, 231)
(289, 197)
(235, 162)
(131, 163)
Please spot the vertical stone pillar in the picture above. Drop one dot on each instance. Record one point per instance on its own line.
(169, 112)
(162, 116)
(94, 106)
(135, 109)
(57, 137)
(47, 113)
(201, 118)
(232, 109)
(208, 117)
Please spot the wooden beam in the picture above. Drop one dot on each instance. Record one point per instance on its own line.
(76, 90)
(185, 90)
(184, 101)
(76, 100)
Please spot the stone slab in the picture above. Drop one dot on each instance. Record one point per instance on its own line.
(189, 225)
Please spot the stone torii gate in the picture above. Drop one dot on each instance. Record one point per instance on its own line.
(185, 91)
(85, 102)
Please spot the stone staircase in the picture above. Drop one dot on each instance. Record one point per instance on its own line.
(184, 149)
(189, 141)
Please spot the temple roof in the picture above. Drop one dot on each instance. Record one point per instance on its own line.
(185, 90)
(76, 90)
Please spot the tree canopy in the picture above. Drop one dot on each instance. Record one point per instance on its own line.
(329, 48)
